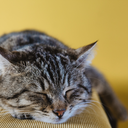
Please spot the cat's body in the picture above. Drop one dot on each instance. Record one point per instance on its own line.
(43, 79)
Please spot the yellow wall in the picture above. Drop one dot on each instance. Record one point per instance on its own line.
(77, 23)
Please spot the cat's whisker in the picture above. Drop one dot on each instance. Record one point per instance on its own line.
(92, 109)
(3, 113)
(107, 112)
(102, 104)
(95, 105)
(98, 102)
(99, 109)
(94, 101)
(92, 112)
(87, 110)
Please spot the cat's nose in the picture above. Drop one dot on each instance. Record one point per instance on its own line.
(59, 113)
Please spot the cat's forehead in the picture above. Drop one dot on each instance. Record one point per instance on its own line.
(51, 61)
(51, 51)
(52, 65)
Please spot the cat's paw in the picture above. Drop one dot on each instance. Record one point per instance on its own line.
(23, 116)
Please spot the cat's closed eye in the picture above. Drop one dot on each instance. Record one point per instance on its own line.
(69, 94)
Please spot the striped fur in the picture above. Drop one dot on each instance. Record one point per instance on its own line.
(40, 75)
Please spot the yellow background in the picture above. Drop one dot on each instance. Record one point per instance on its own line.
(78, 23)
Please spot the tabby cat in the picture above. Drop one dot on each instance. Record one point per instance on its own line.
(43, 79)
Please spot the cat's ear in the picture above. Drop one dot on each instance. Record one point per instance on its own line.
(85, 54)
(7, 58)
(14, 56)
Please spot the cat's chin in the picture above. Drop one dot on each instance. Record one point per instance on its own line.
(55, 121)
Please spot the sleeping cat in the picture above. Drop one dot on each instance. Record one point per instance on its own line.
(43, 79)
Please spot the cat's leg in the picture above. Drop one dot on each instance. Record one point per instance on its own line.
(106, 94)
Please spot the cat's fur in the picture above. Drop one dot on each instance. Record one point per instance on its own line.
(39, 76)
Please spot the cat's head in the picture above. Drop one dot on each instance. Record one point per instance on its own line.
(45, 83)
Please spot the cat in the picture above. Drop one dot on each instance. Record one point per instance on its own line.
(45, 80)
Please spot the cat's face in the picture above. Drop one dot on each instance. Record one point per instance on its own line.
(51, 87)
